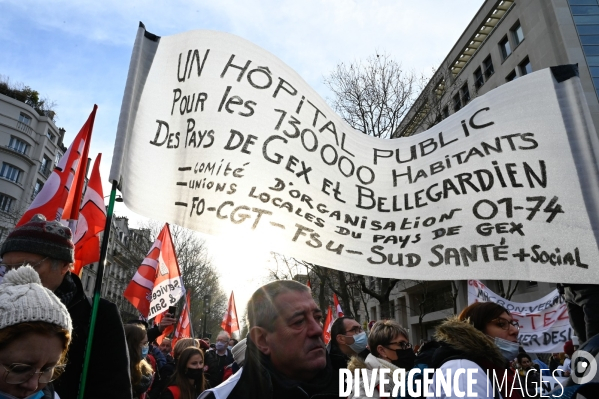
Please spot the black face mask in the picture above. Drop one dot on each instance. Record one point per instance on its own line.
(194, 374)
(405, 359)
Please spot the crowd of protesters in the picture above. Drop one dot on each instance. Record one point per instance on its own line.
(45, 316)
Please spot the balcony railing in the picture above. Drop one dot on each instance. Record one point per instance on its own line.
(45, 171)
(24, 128)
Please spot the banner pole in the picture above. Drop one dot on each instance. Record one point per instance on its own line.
(97, 290)
(189, 314)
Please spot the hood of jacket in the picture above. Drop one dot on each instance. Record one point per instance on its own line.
(371, 362)
(460, 338)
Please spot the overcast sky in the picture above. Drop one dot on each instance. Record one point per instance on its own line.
(77, 53)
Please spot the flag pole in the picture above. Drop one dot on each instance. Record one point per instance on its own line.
(97, 290)
(189, 314)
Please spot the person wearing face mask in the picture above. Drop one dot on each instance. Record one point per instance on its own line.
(347, 339)
(483, 337)
(188, 382)
(218, 359)
(389, 349)
(142, 374)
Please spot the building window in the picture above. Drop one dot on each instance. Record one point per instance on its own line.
(5, 202)
(26, 119)
(517, 33)
(488, 65)
(478, 78)
(45, 166)
(37, 188)
(57, 157)
(533, 284)
(18, 145)
(511, 76)
(10, 172)
(504, 46)
(457, 104)
(440, 89)
(445, 112)
(525, 67)
(465, 94)
(50, 135)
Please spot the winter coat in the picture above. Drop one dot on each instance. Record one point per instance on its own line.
(370, 363)
(463, 346)
(258, 379)
(108, 374)
(216, 366)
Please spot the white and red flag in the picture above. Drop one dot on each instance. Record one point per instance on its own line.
(230, 323)
(157, 284)
(60, 197)
(326, 332)
(184, 326)
(92, 219)
(338, 310)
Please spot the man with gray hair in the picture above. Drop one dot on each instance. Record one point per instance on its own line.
(285, 355)
(218, 359)
(48, 247)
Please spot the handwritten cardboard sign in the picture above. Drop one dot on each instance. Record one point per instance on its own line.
(544, 323)
(220, 136)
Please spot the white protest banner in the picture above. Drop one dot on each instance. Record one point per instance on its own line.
(220, 136)
(544, 323)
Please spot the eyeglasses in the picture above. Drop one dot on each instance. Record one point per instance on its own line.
(505, 324)
(146, 345)
(17, 265)
(18, 373)
(402, 344)
(355, 330)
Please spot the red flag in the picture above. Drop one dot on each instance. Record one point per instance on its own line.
(69, 174)
(157, 284)
(229, 323)
(184, 326)
(337, 306)
(326, 333)
(308, 284)
(92, 220)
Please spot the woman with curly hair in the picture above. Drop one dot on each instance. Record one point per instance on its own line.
(188, 382)
(142, 374)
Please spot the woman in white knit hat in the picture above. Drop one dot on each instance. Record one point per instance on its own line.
(35, 332)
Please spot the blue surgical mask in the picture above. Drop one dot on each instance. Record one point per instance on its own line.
(229, 347)
(144, 352)
(220, 346)
(38, 395)
(508, 349)
(360, 342)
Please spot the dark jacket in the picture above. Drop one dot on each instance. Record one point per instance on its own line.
(216, 366)
(259, 380)
(162, 378)
(108, 373)
(340, 360)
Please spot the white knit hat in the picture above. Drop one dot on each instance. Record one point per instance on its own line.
(24, 299)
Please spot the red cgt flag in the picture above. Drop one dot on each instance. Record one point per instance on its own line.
(65, 181)
(157, 284)
(92, 220)
(184, 327)
(229, 323)
(337, 306)
(326, 332)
